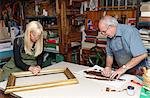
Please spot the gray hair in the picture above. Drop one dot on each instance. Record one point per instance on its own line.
(109, 20)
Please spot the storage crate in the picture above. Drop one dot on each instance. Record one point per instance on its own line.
(5, 53)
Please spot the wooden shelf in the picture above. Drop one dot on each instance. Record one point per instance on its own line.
(119, 7)
(53, 27)
(48, 22)
(43, 18)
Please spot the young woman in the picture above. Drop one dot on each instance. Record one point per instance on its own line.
(28, 51)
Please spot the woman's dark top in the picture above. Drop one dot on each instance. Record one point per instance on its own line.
(22, 60)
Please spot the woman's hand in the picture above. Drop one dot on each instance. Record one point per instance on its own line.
(106, 71)
(35, 69)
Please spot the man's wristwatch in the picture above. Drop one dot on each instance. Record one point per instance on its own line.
(124, 67)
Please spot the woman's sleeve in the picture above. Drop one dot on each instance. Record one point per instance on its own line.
(17, 55)
(40, 59)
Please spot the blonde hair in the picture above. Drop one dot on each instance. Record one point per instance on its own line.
(34, 27)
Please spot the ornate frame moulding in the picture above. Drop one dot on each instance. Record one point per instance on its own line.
(10, 88)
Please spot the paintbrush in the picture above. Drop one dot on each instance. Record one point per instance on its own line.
(142, 85)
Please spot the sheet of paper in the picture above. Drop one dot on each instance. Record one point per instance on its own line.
(114, 84)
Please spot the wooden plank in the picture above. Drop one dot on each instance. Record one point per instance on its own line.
(57, 7)
(63, 46)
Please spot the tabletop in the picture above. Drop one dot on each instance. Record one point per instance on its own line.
(86, 88)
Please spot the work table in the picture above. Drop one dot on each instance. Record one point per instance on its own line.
(86, 88)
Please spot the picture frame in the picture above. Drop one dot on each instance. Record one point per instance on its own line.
(11, 87)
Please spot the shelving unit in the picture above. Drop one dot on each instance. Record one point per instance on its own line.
(49, 24)
(122, 10)
(51, 29)
(63, 17)
(143, 24)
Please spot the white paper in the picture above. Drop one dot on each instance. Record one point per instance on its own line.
(114, 84)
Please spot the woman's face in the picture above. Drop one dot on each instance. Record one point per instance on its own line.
(35, 36)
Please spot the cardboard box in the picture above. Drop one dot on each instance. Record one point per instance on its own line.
(145, 7)
(144, 19)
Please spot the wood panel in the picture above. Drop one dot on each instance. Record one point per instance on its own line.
(96, 15)
(63, 27)
(74, 37)
(128, 13)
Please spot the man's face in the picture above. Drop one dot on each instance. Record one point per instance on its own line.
(107, 31)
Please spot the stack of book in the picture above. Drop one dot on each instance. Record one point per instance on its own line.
(144, 20)
(145, 36)
(94, 39)
(52, 44)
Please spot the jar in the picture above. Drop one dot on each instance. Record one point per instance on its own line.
(130, 90)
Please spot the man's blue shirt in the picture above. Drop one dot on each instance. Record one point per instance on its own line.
(127, 39)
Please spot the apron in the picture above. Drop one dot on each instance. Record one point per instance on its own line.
(10, 66)
(122, 56)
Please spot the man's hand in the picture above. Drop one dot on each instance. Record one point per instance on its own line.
(35, 69)
(106, 71)
(116, 74)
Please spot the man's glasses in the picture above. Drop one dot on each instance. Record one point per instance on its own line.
(103, 32)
